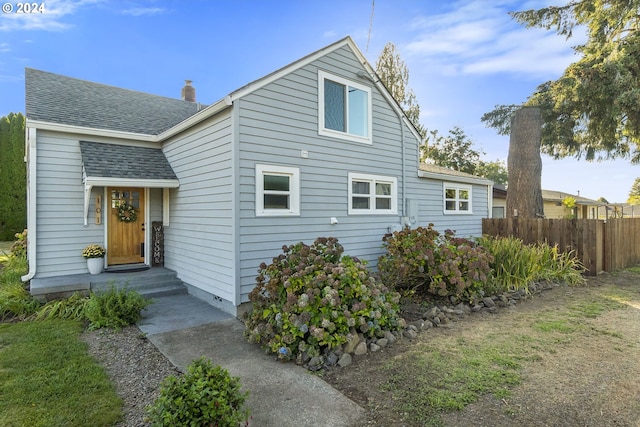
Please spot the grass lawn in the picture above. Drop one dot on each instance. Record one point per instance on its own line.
(48, 378)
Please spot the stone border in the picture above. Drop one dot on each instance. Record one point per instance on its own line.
(442, 316)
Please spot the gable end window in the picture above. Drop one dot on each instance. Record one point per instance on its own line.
(457, 199)
(277, 191)
(372, 194)
(345, 108)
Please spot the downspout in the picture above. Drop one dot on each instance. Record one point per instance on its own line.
(30, 159)
(404, 169)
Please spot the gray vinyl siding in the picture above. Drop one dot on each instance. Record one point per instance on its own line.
(199, 242)
(430, 195)
(60, 212)
(276, 123)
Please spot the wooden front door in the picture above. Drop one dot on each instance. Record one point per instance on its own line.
(126, 226)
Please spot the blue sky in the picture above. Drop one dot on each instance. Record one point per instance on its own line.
(464, 57)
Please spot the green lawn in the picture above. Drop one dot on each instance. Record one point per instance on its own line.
(48, 378)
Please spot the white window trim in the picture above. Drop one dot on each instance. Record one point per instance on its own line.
(322, 75)
(373, 179)
(294, 190)
(454, 186)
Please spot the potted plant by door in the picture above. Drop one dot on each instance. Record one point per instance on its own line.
(94, 254)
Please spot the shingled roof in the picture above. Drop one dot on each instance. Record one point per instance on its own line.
(124, 161)
(64, 100)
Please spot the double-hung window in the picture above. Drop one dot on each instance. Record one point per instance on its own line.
(277, 190)
(345, 108)
(457, 198)
(372, 194)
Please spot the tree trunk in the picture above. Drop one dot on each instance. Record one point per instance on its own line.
(524, 193)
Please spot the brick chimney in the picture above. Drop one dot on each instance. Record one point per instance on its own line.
(188, 92)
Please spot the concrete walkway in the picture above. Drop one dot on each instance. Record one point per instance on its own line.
(185, 328)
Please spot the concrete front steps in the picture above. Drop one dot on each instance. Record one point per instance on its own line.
(149, 282)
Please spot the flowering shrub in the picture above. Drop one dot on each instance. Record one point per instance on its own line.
(311, 299)
(424, 260)
(94, 251)
(205, 396)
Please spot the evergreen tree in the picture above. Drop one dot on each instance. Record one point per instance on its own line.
(634, 194)
(13, 182)
(394, 74)
(593, 110)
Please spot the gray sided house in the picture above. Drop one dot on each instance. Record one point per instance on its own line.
(317, 148)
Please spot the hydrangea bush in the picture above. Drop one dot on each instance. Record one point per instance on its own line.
(312, 299)
(443, 265)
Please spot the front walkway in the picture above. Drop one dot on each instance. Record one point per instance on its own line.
(185, 328)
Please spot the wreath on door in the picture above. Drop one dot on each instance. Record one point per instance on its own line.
(127, 213)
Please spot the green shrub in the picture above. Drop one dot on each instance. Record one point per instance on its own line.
(16, 302)
(312, 299)
(72, 308)
(516, 265)
(15, 266)
(115, 308)
(424, 260)
(19, 247)
(557, 266)
(204, 396)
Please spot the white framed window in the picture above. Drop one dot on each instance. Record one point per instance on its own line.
(457, 198)
(372, 194)
(344, 108)
(277, 190)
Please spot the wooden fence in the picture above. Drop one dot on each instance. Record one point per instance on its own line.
(601, 245)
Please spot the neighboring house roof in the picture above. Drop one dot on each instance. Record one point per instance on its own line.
(500, 191)
(559, 196)
(65, 100)
(428, 170)
(100, 160)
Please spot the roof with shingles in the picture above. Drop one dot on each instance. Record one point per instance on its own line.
(430, 167)
(559, 196)
(66, 100)
(124, 161)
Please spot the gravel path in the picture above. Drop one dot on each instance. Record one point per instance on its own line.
(135, 367)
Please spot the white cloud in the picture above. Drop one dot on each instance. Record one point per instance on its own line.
(140, 11)
(479, 37)
(4, 47)
(50, 20)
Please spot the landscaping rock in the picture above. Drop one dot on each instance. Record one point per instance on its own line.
(361, 349)
(390, 337)
(373, 347)
(410, 333)
(350, 346)
(382, 342)
(488, 302)
(316, 363)
(345, 360)
(332, 359)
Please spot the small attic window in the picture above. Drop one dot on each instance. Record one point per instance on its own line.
(344, 108)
